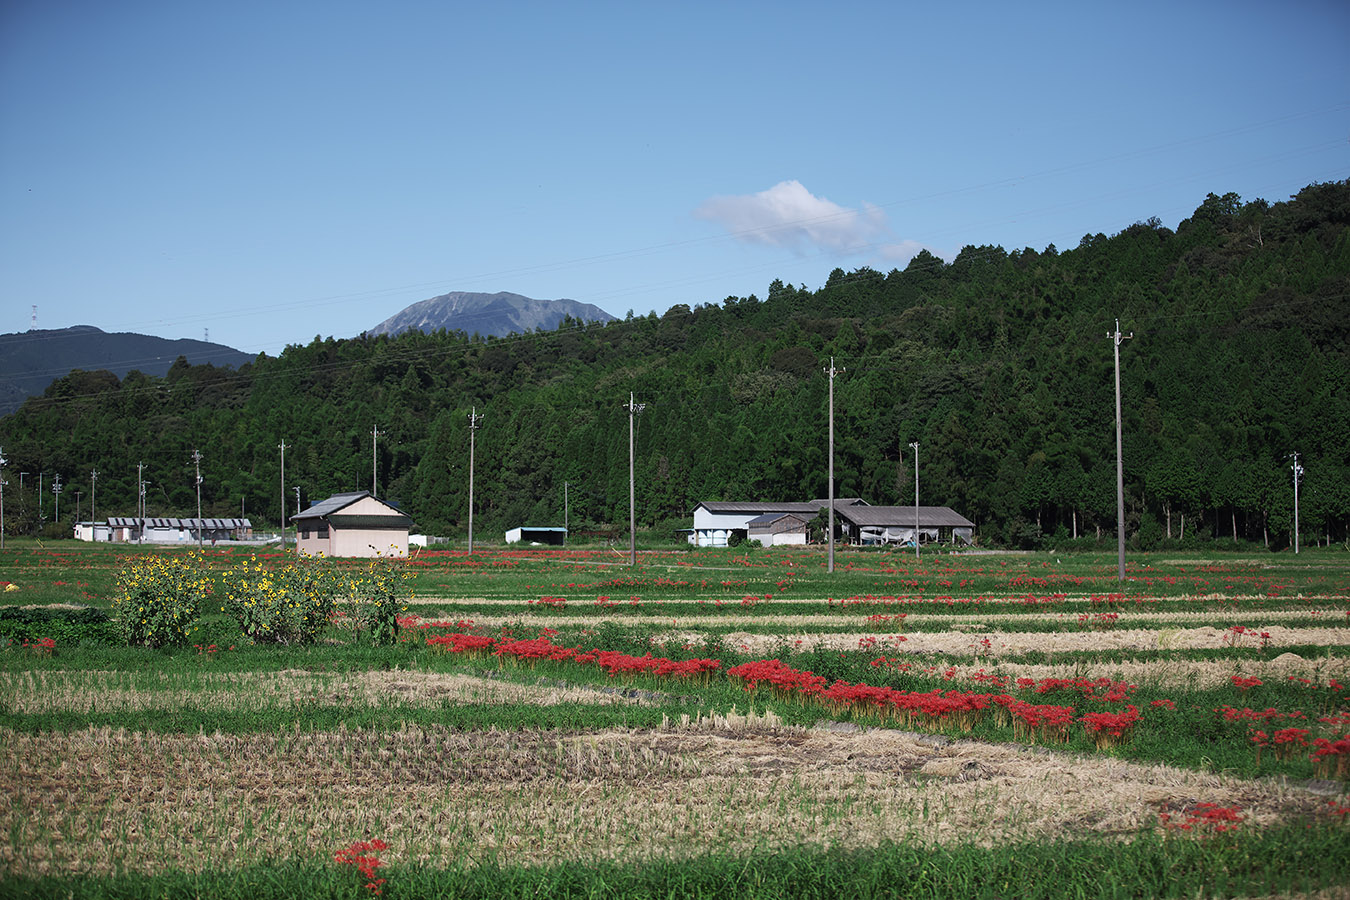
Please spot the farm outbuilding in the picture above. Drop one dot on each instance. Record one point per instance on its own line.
(165, 530)
(93, 531)
(354, 524)
(779, 529)
(716, 521)
(896, 525)
(537, 535)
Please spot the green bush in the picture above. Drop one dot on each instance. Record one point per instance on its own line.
(65, 626)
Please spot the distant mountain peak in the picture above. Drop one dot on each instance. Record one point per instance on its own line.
(489, 315)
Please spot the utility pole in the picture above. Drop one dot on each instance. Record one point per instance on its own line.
(56, 491)
(1298, 470)
(2, 497)
(78, 495)
(1116, 338)
(831, 371)
(140, 502)
(41, 475)
(915, 445)
(93, 502)
(374, 458)
(197, 461)
(564, 506)
(297, 505)
(634, 409)
(282, 445)
(475, 420)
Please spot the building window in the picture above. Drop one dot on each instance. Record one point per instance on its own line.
(323, 530)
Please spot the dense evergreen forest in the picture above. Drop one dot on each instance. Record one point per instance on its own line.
(999, 364)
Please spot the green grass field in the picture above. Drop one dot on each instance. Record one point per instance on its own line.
(952, 726)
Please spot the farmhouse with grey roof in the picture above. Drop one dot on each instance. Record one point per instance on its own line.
(353, 524)
(715, 521)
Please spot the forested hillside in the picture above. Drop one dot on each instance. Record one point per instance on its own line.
(998, 364)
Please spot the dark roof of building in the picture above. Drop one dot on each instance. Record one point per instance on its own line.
(165, 522)
(808, 507)
(329, 509)
(770, 518)
(901, 516)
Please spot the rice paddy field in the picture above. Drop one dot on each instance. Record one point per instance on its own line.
(719, 723)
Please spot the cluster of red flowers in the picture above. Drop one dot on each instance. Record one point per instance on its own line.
(551, 602)
(1242, 683)
(1111, 728)
(1331, 757)
(1235, 636)
(1099, 621)
(938, 708)
(45, 646)
(541, 648)
(1110, 599)
(1270, 714)
(361, 856)
(1030, 720)
(1208, 817)
(785, 680)
(1102, 689)
(462, 643)
(1286, 742)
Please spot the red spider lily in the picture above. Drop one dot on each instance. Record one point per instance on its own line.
(1288, 741)
(1336, 809)
(532, 651)
(472, 644)
(1051, 723)
(1111, 729)
(551, 602)
(361, 856)
(785, 680)
(1110, 691)
(998, 681)
(1163, 704)
(1243, 683)
(1099, 620)
(44, 646)
(1331, 757)
(1205, 818)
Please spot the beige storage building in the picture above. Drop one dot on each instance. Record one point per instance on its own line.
(353, 525)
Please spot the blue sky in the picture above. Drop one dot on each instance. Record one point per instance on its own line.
(279, 170)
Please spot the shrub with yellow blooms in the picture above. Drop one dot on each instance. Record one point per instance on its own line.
(158, 599)
(380, 595)
(286, 604)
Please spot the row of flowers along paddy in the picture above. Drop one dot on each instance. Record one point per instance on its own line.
(938, 709)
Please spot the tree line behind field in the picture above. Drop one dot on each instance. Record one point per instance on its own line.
(998, 364)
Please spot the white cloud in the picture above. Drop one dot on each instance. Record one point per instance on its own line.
(903, 251)
(788, 215)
